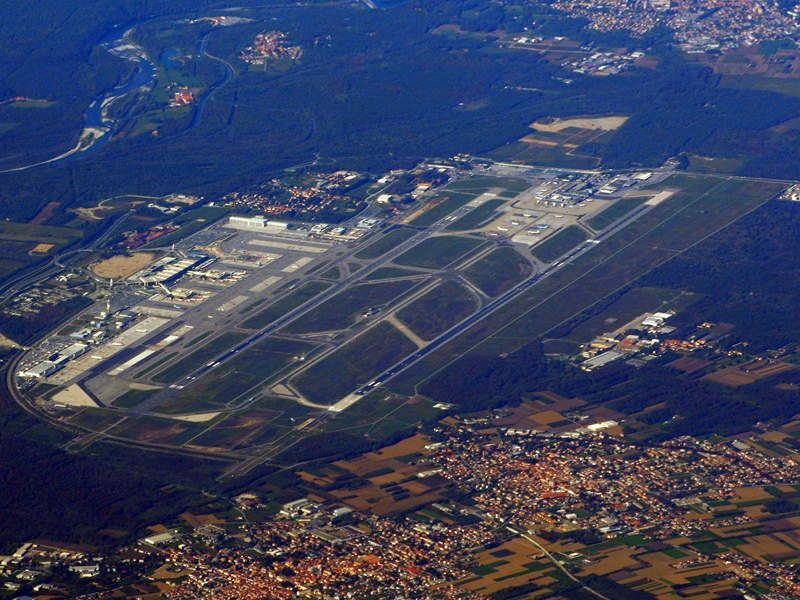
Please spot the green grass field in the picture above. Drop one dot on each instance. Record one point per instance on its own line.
(559, 243)
(704, 205)
(616, 211)
(255, 366)
(197, 358)
(438, 310)
(353, 364)
(385, 243)
(437, 252)
(289, 302)
(342, 310)
(478, 217)
(498, 271)
(445, 204)
(391, 273)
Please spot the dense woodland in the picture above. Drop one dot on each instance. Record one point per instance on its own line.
(375, 89)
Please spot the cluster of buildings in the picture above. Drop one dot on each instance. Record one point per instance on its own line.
(53, 355)
(138, 238)
(699, 25)
(605, 63)
(33, 301)
(182, 97)
(314, 550)
(324, 193)
(270, 45)
(545, 481)
(644, 335)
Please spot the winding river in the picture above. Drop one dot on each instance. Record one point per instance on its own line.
(99, 127)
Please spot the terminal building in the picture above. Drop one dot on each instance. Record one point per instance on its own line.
(256, 223)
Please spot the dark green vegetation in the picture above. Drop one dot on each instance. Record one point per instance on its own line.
(287, 303)
(559, 243)
(72, 498)
(355, 363)
(254, 366)
(386, 243)
(342, 310)
(391, 273)
(748, 275)
(616, 211)
(498, 271)
(705, 205)
(438, 310)
(618, 309)
(459, 93)
(437, 252)
(197, 358)
(478, 217)
(133, 397)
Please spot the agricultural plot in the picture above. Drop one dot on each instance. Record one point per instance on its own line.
(284, 305)
(437, 252)
(340, 373)
(438, 310)
(498, 271)
(559, 244)
(341, 311)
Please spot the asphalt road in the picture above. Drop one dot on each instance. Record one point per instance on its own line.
(499, 302)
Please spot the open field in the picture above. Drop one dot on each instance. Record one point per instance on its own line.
(385, 243)
(559, 243)
(437, 252)
(121, 266)
(438, 310)
(703, 206)
(356, 362)
(478, 217)
(289, 302)
(606, 318)
(391, 273)
(441, 206)
(481, 183)
(236, 430)
(604, 123)
(616, 211)
(498, 271)
(197, 358)
(254, 366)
(342, 310)
(27, 232)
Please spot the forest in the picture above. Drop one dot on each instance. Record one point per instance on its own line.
(374, 90)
